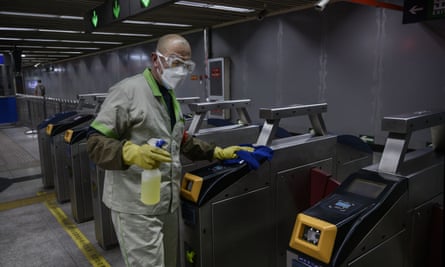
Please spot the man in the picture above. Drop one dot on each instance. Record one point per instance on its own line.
(136, 109)
(39, 89)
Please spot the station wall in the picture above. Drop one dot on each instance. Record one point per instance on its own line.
(361, 60)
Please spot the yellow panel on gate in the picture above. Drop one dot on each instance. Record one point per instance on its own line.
(314, 237)
(191, 187)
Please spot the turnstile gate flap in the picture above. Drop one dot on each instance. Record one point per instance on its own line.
(68, 123)
(56, 118)
(202, 184)
(75, 135)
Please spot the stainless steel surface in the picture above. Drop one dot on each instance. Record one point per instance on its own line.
(188, 100)
(400, 129)
(103, 225)
(410, 122)
(273, 117)
(79, 182)
(45, 158)
(287, 181)
(236, 222)
(59, 162)
(292, 111)
(401, 236)
(201, 110)
(225, 104)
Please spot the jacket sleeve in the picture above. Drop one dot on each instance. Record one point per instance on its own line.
(106, 152)
(196, 149)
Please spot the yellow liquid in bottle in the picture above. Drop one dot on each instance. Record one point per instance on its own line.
(150, 187)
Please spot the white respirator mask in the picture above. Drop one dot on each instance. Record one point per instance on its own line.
(176, 72)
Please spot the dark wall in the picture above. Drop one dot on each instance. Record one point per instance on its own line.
(361, 60)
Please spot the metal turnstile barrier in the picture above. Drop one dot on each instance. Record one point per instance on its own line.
(45, 148)
(249, 214)
(59, 158)
(242, 132)
(87, 107)
(78, 168)
(103, 225)
(381, 215)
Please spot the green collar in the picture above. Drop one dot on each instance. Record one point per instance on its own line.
(156, 92)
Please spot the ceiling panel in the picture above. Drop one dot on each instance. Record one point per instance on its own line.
(37, 39)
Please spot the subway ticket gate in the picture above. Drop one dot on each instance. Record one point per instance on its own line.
(78, 173)
(88, 105)
(382, 214)
(243, 132)
(58, 157)
(45, 148)
(248, 223)
(103, 225)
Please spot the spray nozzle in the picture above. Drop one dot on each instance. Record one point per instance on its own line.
(157, 142)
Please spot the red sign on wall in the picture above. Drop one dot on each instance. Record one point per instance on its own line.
(216, 73)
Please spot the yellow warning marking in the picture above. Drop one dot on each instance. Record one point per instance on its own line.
(43, 196)
(90, 252)
(85, 246)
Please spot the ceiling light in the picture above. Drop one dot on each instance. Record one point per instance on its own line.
(16, 29)
(143, 22)
(58, 31)
(72, 48)
(123, 34)
(25, 14)
(10, 39)
(36, 30)
(102, 42)
(39, 40)
(212, 6)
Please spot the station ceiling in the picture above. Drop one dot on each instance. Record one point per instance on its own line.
(51, 31)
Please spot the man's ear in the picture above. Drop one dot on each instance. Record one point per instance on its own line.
(154, 58)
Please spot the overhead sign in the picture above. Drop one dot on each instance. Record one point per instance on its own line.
(420, 10)
(116, 10)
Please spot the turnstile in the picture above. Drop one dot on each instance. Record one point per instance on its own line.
(78, 173)
(242, 220)
(59, 158)
(382, 214)
(248, 223)
(45, 148)
(242, 132)
(103, 225)
(88, 105)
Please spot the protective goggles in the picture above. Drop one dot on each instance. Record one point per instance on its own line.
(174, 61)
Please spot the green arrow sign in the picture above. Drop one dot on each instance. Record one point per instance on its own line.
(145, 3)
(116, 9)
(94, 19)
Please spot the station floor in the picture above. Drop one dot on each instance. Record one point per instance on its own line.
(35, 230)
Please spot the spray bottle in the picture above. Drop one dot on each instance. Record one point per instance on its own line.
(151, 179)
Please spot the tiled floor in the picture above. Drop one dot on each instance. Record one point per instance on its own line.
(30, 234)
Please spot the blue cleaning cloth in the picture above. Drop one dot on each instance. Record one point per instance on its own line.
(253, 159)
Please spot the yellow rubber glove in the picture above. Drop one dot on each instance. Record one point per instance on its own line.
(229, 152)
(146, 156)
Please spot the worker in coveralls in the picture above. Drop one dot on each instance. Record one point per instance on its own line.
(137, 109)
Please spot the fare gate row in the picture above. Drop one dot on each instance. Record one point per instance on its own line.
(293, 157)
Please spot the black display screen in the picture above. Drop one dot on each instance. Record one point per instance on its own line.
(366, 188)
